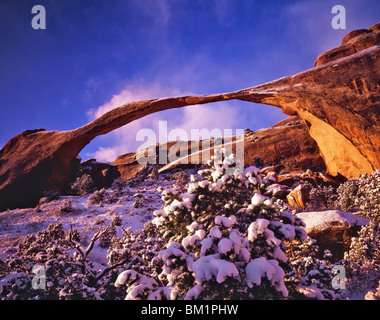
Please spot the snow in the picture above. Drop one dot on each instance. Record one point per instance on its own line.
(323, 220)
(245, 254)
(206, 244)
(261, 267)
(125, 276)
(215, 232)
(193, 226)
(194, 292)
(208, 267)
(217, 174)
(169, 292)
(203, 183)
(86, 217)
(235, 236)
(289, 216)
(257, 228)
(258, 199)
(257, 269)
(288, 231)
(311, 292)
(193, 239)
(172, 250)
(226, 222)
(250, 171)
(225, 245)
(145, 283)
(278, 254)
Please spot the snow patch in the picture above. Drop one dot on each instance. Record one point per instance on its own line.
(208, 267)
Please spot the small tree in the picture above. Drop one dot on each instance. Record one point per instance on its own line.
(226, 240)
(83, 185)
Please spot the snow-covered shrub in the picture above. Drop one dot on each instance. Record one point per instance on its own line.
(141, 247)
(367, 200)
(362, 261)
(181, 178)
(348, 195)
(371, 295)
(83, 185)
(109, 232)
(66, 207)
(103, 196)
(98, 196)
(363, 194)
(226, 240)
(311, 272)
(118, 186)
(322, 198)
(66, 275)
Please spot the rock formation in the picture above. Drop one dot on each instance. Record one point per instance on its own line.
(332, 229)
(286, 143)
(353, 42)
(339, 100)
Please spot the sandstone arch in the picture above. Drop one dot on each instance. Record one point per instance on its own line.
(339, 99)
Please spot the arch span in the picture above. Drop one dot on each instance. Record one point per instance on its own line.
(340, 100)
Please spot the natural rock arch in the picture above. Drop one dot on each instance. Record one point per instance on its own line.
(339, 100)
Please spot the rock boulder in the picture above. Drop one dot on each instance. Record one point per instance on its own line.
(332, 229)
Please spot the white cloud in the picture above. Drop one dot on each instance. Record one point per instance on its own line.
(132, 92)
(108, 154)
(221, 115)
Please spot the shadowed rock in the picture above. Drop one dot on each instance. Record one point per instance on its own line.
(286, 143)
(339, 101)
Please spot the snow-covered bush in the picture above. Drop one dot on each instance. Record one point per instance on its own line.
(83, 185)
(367, 200)
(109, 233)
(181, 178)
(98, 196)
(66, 276)
(66, 207)
(322, 198)
(225, 240)
(348, 195)
(371, 295)
(362, 194)
(118, 186)
(362, 261)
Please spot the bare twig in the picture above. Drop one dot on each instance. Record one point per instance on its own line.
(108, 269)
(85, 252)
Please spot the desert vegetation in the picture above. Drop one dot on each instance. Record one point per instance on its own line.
(216, 236)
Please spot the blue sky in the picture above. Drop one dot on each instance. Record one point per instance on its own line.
(95, 55)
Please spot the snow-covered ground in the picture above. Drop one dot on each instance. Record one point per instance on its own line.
(134, 206)
(85, 217)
